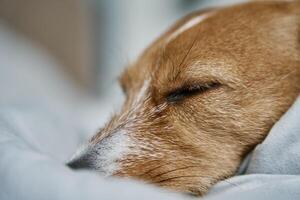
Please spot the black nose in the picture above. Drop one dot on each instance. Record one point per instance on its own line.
(80, 163)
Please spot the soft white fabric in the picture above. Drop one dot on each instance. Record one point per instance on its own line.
(28, 173)
(43, 119)
(41, 124)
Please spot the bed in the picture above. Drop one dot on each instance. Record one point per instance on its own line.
(43, 119)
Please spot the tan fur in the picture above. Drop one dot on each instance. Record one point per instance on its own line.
(253, 51)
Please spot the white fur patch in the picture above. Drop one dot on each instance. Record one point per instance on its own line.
(104, 155)
(137, 103)
(119, 144)
(80, 151)
(142, 93)
(191, 23)
(110, 150)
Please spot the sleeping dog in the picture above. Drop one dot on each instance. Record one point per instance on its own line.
(201, 97)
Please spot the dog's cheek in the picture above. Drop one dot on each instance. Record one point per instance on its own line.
(143, 154)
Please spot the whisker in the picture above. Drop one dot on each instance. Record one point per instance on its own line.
(178, 177)
(153, 169)
(174, 170)
(186, 55)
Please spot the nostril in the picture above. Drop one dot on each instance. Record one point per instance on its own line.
(80, 163)
(74, 164)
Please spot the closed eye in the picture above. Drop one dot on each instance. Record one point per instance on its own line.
(189, 91)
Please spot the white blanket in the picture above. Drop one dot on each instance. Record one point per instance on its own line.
(39, 130)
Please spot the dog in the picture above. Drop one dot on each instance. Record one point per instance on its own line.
(201, 97)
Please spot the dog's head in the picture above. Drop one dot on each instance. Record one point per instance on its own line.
(201, 97)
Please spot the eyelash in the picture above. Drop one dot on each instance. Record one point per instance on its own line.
(189, 91)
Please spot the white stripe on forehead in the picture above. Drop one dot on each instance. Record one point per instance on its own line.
(189, 24)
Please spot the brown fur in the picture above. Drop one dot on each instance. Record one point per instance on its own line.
(252, 49)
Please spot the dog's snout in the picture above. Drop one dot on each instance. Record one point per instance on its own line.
(80, 163)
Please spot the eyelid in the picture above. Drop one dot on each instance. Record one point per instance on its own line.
(190, 90)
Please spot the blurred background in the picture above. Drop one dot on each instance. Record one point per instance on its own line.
(67, 54)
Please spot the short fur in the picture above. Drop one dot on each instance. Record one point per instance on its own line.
(252, 50)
